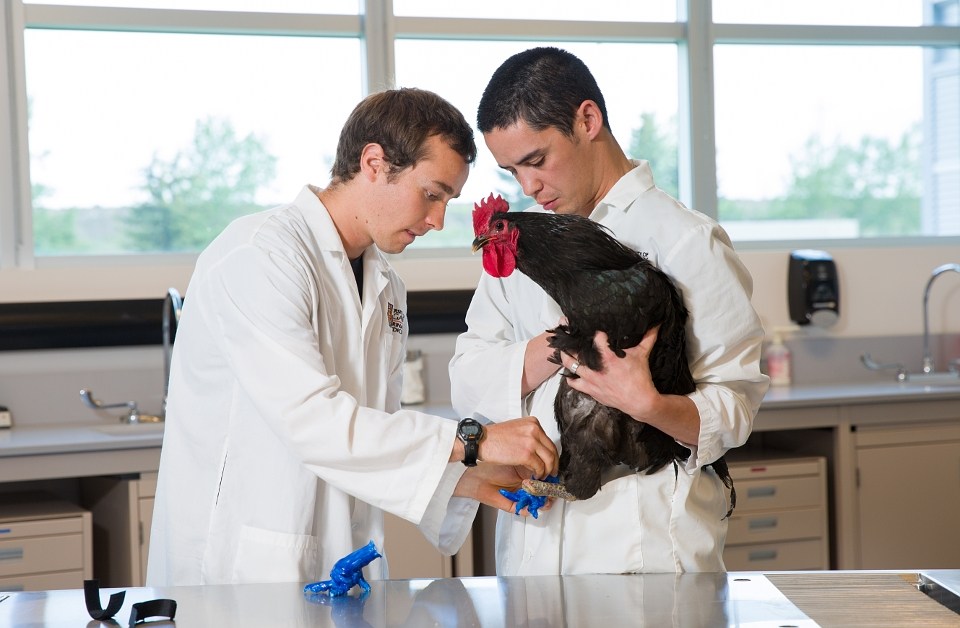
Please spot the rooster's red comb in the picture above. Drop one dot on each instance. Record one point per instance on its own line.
(484, 209)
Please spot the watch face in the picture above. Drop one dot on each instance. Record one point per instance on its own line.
(471, 430)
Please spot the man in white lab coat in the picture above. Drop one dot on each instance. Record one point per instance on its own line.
(285, 440)
(543, 117)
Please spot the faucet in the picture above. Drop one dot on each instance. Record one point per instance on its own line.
(133, 415)
(172, 305)
(928, 363)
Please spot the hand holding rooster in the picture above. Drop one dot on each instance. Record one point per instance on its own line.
(643, 402)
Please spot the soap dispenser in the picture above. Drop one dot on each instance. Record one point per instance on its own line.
(779, 361)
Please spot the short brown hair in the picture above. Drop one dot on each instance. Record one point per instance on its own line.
(400, 121)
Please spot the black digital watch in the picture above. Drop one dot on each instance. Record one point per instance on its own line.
(470, 432)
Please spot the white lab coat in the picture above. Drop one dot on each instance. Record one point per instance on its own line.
(279, 450)
(670, 521)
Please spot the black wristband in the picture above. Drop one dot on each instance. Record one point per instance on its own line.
(470, 432)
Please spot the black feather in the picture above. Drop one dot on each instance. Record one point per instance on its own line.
(602, 285)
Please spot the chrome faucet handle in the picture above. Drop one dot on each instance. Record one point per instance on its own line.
(134, 416)
(873, 365)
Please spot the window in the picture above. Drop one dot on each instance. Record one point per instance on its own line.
(822, 142)
(142, 126)
(348, 7)
(821, 12)
(847, 134)
(608, 10)
(151, 142)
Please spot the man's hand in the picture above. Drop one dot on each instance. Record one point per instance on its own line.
(607, 386)
(675, 415)
(520, 442)
(484, 481)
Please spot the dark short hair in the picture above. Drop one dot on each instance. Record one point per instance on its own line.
(544, 87)
(400, 121)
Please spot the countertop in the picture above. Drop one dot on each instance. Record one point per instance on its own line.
(56, 439)
(778, 397)
(107, 437)
(654, 600)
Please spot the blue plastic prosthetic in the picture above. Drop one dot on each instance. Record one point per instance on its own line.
(347, 573)
(523, 499)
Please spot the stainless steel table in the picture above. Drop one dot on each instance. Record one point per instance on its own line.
(609, 601)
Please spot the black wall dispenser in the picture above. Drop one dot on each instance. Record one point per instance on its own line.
(813, 289)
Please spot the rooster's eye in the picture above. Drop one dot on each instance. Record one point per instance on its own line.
(498, 225)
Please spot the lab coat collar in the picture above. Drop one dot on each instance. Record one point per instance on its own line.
(376, 268)
(321, 224)
(625, 191)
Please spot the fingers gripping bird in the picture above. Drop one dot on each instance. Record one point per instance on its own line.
(600, 285)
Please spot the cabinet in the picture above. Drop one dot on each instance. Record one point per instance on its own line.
(781, 517)
(410, 555)
(45, 543)
(122, 510)
(908, 492)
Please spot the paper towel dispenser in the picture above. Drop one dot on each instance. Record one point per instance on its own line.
(813, 289)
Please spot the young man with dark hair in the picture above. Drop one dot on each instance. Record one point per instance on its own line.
(284, 439)
(544, 119)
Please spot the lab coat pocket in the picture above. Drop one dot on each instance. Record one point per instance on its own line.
(602, 534)
(268, 556)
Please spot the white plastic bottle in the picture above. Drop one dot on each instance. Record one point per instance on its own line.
(778, 361)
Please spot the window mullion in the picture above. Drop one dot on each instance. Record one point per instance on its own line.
(16, 248)
(697, 140)
(378, 53)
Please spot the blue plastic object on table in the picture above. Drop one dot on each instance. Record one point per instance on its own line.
(347, 573)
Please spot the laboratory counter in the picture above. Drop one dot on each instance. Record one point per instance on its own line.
(798, 599)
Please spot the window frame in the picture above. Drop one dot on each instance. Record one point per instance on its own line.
(694, 33)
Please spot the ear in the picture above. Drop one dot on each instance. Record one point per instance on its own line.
(372, 161)
(589, 118)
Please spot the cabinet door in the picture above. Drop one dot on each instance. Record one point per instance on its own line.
(909, 499)
(146, 517)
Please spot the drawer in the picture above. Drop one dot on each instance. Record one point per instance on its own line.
(778, 493)
(789, 555)
(776, 467)
(39, 554)
(39, 527)
(43, 582)
(779, 525)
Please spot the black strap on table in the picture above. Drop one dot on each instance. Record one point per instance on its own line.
(140, 612)
(91, 595)
(152, 608)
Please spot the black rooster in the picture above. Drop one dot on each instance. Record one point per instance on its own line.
(599, 284)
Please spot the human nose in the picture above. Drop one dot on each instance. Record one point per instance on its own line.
(529, 182)
(435, 217)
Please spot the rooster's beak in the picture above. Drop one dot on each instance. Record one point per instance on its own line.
(480, 242)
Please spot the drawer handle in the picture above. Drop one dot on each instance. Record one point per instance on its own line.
(763, 554)
(761, 524)
(15, 553)
(762, 491)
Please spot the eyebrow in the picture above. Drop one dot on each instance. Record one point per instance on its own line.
(536, 152)
(446, 188)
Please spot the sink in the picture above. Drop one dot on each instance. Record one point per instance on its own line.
(946, 378)
(130, 429)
